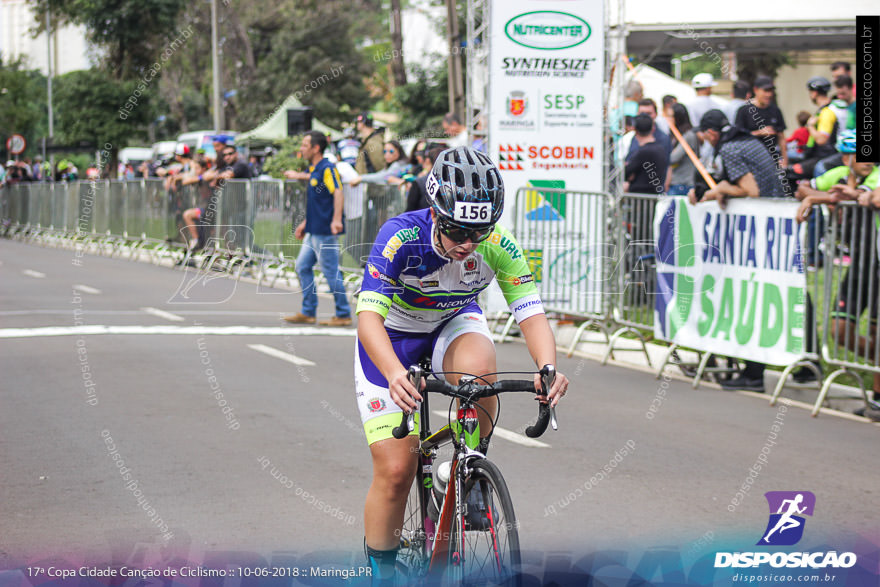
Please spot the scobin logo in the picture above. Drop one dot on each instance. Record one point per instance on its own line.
(785, 528)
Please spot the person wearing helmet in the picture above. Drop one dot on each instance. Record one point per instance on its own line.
(822, 126)
(419, 297)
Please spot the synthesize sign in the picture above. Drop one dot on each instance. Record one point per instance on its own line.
(547, 29)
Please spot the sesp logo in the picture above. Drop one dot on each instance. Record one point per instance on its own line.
(786, 525)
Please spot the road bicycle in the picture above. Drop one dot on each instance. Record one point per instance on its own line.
(459, 524)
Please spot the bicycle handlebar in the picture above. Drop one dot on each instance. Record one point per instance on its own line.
(472, 391)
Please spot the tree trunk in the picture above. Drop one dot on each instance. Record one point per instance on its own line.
(398, 70)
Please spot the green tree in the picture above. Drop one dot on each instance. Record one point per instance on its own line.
(23, 107)
(88, 108)
(286, 157)
(422, 102)
(133, 33)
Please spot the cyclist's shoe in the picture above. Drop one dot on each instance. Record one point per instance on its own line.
(477, 516)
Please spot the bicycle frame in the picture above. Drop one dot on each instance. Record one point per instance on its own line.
(464, 433)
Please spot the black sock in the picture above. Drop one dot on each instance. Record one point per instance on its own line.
(382, 563)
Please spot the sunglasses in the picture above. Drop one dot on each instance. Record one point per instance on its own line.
(392, 151)
(458, 234)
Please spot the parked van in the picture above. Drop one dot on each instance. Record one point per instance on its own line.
(164, 150)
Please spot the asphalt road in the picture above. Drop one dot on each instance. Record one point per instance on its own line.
(205, 464)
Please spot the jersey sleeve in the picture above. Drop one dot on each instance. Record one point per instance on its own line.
(505, 257)
(827, 118)
(824, 182)
(382, 273)
(331, 179)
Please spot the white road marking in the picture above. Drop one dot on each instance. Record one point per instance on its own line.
(163, 314)
(32, 273)
(506, 434)
(273, 352)
(86, 289)
(173, 329)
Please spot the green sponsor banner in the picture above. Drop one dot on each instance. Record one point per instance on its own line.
(731, 281)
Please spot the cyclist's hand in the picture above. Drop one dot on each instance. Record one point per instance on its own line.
(557, 390)
(403, 392)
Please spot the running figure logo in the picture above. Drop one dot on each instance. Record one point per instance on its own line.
(786, 526)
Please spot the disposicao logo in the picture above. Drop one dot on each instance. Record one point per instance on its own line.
(547, 29)
(786, 528)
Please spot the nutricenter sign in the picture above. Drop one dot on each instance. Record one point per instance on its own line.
(547, 29)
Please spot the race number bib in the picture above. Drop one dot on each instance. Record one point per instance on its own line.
(432, 186)
(473, 212)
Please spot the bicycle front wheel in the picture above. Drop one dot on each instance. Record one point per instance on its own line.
(485, 549)
(412, 557)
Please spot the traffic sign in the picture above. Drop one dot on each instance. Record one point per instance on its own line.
(16, 144)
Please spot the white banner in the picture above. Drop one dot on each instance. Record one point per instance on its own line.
(731, 281)
(546, 79)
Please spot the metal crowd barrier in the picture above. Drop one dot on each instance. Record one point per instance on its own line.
(565, 237)
(246, 221)
(851, 297)
(636, 281)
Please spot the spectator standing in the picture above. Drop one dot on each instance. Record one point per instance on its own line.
(417, 156)
(646, 170)
(839, 68)
(319, 233)
(349, 146)
(369, 158)
(455, 130)
(395, 166)
(844, 102)
(739, 94)
(797, 141)
(667, 116)
(761, 117)
(748, 171)
(647, 106)
(417, 198)
(681, 168)
(702, 84)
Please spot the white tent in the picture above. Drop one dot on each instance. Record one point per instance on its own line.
(657, 84)
(274, 128)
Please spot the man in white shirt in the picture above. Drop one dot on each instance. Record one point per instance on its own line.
(455, 130)
(703, 84)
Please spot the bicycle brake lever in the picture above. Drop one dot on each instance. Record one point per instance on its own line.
(408, 419)
(553, 422)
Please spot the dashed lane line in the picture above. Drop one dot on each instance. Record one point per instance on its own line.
(163, 314)
(273, 352)
(34, 274)
(86, 289)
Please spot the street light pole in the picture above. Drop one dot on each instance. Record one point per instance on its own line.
(215, 58)
(49, 87)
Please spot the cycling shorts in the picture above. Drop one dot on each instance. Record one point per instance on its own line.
(379, 413)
